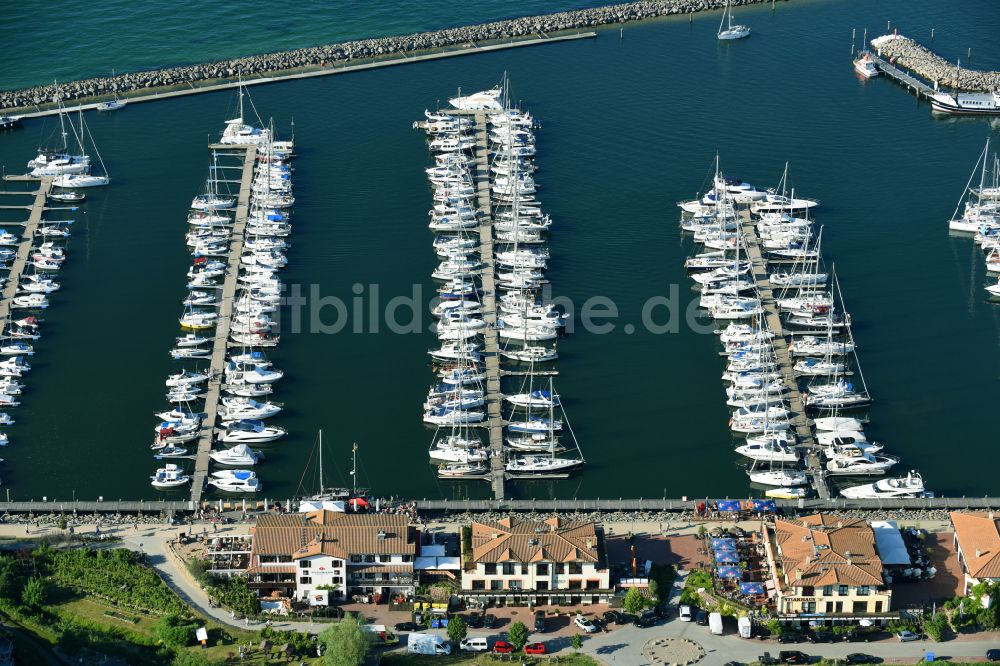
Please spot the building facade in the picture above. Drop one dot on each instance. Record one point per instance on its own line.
(826, 568)
(977, 546)
(514, 561)
(322, 556)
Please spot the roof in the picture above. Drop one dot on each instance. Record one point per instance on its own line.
(332, 533)
(382, 568)
(822, 549)
(978, 536)
(889, 543)
(424, 563)
(551, 540)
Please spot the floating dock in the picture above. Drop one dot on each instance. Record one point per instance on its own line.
(37, 208)
(801, 424)
(221, 343)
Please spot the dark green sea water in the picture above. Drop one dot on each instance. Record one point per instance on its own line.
(629, 127)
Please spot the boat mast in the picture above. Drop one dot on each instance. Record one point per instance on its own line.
(354, 468)
(321, 489)
(972, 175)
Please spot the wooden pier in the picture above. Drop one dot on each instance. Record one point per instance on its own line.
(904, 78)
(801, 425)
(37, 208)
(221, 343)
(491, 351)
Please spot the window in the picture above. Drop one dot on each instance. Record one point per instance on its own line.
(355, 558)
(490, 569)
(808, 591)
(305, 580)
(575, 568)
(337, 564)
(496, 584)
(842, 590)
(574, 585)
(878, 607)
(508, 569)
(560, 568)
(863, 591)
(479, 585)
(809, 607)
(827, 590)
(542, 569)
(514, 584)
(860, 607)
(369, 558)
(592, 584)
(303, 564)
(407, 558)
(543, 585)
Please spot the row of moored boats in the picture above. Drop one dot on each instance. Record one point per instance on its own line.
(492, 317)
(247, 377)
(785, 332)
(978, 213)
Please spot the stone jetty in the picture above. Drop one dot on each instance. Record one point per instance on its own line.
(344, 53)
(902, 51)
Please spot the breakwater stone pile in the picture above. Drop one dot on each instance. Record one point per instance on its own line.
(345, 52)
(902, 51)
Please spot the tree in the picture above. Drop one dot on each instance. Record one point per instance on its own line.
(61, 522)
(457, 629)
(173, 631)
(10, 578)
(34, 593)
(347, 642)
(654, 590)
(774, 626)
(576, 642)
(517, 635)
(634, 601)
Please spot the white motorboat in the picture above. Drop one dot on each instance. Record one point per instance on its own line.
(240, 455)
(235, 481)
(251, 431)
(786, 493)
(911, 485)
(16, 348)
(78, 180)
(862, 463)
(768, 450)
(256, 375)
(838, 423)
(238, 408)
(186, 378)
(486, 100)
(865, 65)
(191, 340)
(170, 476)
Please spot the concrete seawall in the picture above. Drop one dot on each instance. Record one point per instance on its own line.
(904, 52)
(346, 52)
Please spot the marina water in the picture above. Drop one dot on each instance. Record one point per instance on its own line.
(629, 127)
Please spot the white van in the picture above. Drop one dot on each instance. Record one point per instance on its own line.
(474, 644)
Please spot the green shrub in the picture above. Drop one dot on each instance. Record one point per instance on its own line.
(173, 631)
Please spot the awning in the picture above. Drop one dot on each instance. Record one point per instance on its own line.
(721, 544)
(889, 543)
(751, 588)
(727, 557)
(729, 572)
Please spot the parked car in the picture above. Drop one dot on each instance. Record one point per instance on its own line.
(585, 624)
(861, 658)
(613, 617)
(793, 657)
(662, 611)
(905, 636)
(474, 644)
(534, 648)
(702, 617)
(790, 637)
(489, 621)
(767, 660)
(858, 636)
(540, 621)
(647, 619)
(474, 621)
(819, 637)
(993, 655)
(503, 647)
(684, 613)
(405, 626)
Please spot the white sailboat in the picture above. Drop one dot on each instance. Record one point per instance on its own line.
(731, 31)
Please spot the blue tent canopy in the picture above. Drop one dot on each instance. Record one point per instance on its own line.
(727, 557)
(729, 505)
(729, 572)
(751, 588)
(719, 544)
(764, 505)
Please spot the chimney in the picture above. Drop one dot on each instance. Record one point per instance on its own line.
(798, 573)
(847, 554)
(590, 544)
(978, 553)
(381, 535)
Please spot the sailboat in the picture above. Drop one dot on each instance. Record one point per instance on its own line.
(58, 161)
(731, 31)
(976, 214)
(332, 499)
(85, 178)
(112, 104)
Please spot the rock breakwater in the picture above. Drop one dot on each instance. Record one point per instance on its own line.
(345, 52)
(902, 51)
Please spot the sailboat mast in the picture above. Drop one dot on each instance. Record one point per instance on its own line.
(354, 468)
(321, 489)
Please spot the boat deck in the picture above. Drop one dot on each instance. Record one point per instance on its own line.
(801, 424)
(37, 207)
(221, 343)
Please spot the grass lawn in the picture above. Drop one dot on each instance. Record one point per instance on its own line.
(481, 659)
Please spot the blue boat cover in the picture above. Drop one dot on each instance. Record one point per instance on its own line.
(242, 474)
